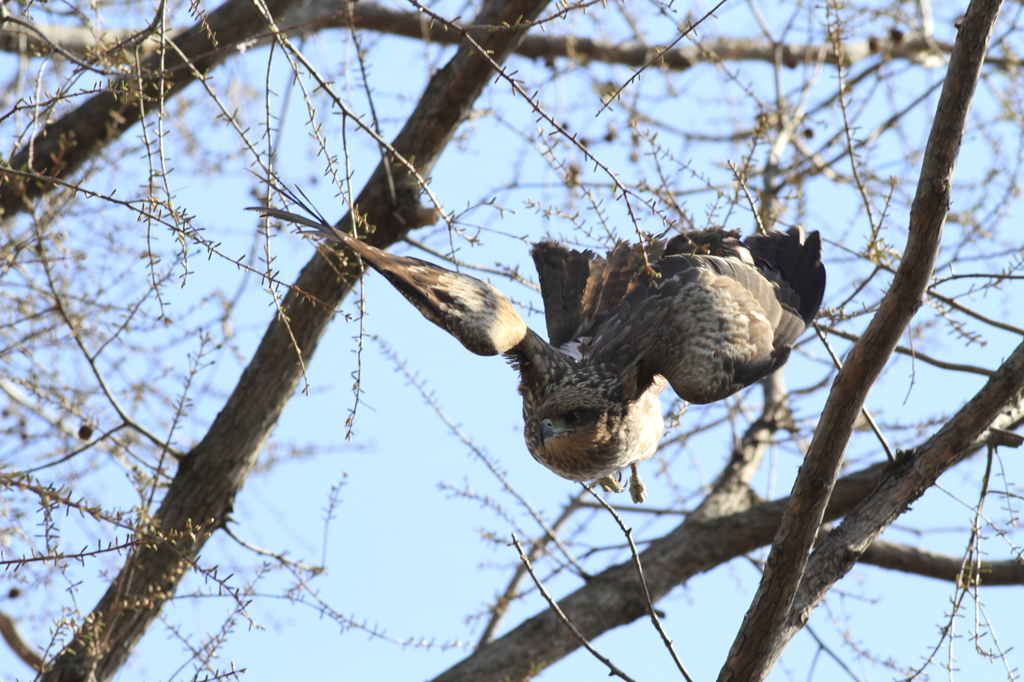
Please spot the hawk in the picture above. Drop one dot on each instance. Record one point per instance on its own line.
(704, 312)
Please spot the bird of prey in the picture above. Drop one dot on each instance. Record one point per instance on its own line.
(704, 312)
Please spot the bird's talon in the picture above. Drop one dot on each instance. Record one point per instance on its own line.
(610, 484)
(637, 489)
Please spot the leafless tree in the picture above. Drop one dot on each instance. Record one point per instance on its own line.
(122, 285)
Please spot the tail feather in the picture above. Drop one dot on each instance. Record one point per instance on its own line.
(713, 242)
(619, 277)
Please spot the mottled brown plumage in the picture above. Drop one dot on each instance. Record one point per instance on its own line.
(711, 315)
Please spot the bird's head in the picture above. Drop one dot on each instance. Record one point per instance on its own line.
(581, 426)
(580, 436)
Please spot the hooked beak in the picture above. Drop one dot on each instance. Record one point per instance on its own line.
(548, 430)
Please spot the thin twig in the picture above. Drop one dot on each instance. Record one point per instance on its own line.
(628, 532)
(481, 455)
(658, 56)
(281, 558)
(918, 355)
(512, 590)
(612, 668)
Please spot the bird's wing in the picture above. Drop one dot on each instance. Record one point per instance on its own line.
(794, 259)
(472, 311)
(580, 288)
(718, 315)
(564, 277)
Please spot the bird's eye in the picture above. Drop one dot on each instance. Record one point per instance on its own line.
(572, 418)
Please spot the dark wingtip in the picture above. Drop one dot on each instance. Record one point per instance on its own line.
(810, 276)
(797, 257)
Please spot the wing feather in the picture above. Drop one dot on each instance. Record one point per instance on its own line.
(471, 310)
(564, 277)
(579, 288)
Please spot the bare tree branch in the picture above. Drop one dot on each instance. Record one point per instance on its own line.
(997, 405)
(761, 639)
(897, 44)
(202, 493)
(318, 15)
(23, 650)
(613, 670)
(917, 561)
(65, 144)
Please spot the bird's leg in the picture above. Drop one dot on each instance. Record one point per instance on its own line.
(611, 484)
(637, 489)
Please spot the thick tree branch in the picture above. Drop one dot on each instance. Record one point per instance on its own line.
(318, 15)
(613, 597)
(999, 404)
(917, 561)
(897, 44)
(201, 496)
(763, 634)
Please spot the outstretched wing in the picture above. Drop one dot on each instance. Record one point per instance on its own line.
(472, 311)
(718, 314)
